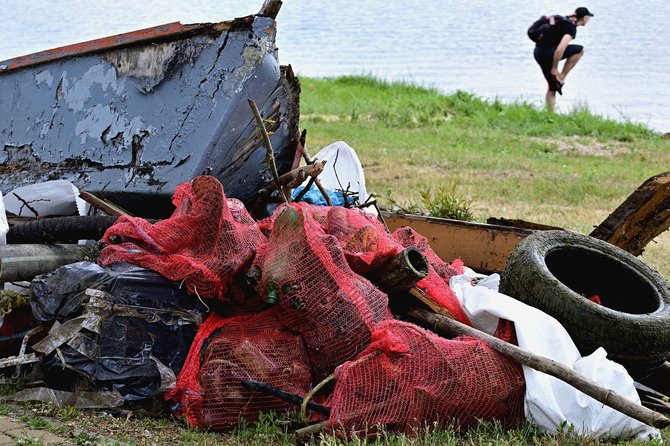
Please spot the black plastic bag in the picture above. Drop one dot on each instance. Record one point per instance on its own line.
(124, 327)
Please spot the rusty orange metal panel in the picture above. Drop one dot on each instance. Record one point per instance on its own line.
(169, 30)
(482, 247)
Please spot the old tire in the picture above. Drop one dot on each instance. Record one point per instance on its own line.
(556, 272)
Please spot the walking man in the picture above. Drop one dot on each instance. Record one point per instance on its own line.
(554, 46)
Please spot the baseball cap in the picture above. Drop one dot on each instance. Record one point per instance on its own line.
(582, 11)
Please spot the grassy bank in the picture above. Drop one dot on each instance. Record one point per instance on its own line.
(514, 161)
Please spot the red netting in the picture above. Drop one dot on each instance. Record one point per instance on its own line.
(331, 307)
(409, 378)
(436, 284)
(366, 243)
(209, 393)
(407, 236)
(207, 241)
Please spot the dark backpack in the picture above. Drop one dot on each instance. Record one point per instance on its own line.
(538, 29)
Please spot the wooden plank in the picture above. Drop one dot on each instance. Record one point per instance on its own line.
(482, 247)
(641, 217)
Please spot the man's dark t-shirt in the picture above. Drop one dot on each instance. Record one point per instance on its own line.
(545, 48)
(555, 33)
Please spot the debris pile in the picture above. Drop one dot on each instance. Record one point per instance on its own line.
(318, 316)
(218, 316)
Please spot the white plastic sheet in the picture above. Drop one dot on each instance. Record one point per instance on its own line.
(50, 198)
(343, 169)
(550, 403)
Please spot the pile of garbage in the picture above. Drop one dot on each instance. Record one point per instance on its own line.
(218, 317)
(287, 302)
(225, 317)
(313, 305)
(293, 302)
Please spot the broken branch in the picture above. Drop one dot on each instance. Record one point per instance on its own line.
(309, 160)
(268, 145)
(26, 204)
(295, 177)
(105, 205)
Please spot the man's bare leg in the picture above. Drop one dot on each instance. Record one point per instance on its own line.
(551, 100)
(569, 65)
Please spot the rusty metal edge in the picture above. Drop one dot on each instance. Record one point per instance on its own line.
(461, 223)
(483, 247)
(168, 31)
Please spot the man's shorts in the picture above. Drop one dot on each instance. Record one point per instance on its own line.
(545, 58)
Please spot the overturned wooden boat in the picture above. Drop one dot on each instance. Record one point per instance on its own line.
(132, 116)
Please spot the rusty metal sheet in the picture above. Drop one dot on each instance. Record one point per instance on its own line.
(482, 247)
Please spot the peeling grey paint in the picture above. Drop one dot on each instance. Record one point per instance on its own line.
(44, 77)
(151, 64)
(139, 121)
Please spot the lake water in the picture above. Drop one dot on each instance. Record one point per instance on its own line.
(478, 46)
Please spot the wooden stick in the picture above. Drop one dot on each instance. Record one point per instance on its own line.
(312, 429)
(430, 303)
(105, 205)
(270, 157)
(305, 404)
(285, 396)
(298, 176)
(309, 160)
(608, 397)
(305, 189)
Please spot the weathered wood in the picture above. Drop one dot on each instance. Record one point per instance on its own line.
(270, 8)
(309, 160)
(402, 272)
(295, 177)
(105, 205)
(444, 325)
(641, 217)
(430, 303)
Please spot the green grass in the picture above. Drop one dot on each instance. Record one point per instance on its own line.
(510, 160)
(95, 428)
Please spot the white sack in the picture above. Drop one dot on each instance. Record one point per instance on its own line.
(348, 167)
(550, 403)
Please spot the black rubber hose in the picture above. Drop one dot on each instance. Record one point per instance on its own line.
(60, 229)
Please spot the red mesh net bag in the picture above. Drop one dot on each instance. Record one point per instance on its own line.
(436, 283)
(207, 241)
(209, 393)
(366, 243)
(409, 378)
(407, 236)
(331, 307)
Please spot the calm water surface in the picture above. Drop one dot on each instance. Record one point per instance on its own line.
(473, 45)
